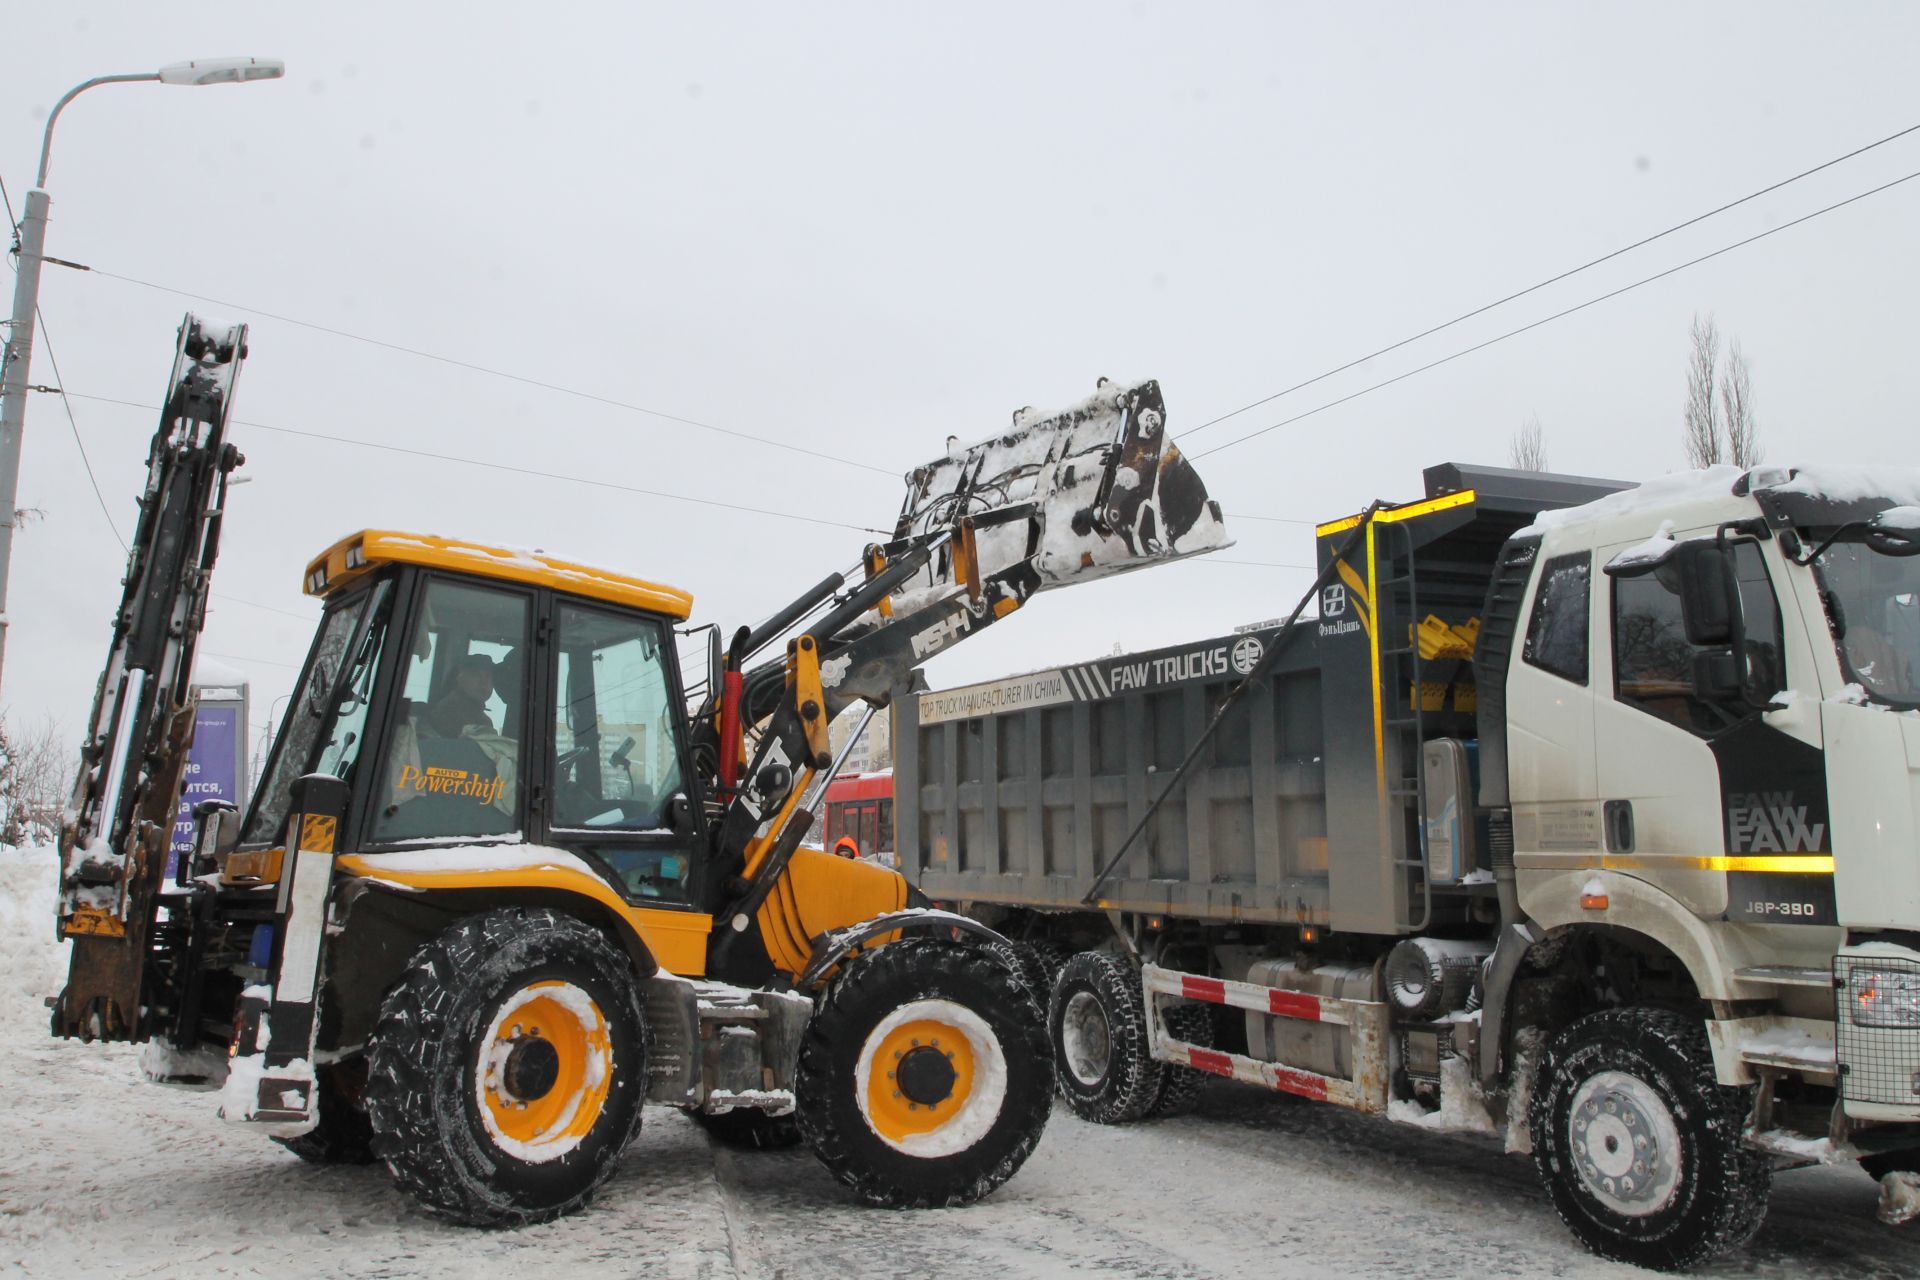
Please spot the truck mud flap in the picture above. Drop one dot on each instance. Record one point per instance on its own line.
(1366, 1023)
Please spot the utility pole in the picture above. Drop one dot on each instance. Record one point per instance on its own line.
(17, 360)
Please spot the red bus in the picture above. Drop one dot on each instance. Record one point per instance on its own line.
(860, 816)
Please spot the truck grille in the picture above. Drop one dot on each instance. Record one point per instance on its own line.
(1879, 1064)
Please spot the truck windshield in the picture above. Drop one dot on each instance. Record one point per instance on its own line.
(327, 710)
(1873, 606)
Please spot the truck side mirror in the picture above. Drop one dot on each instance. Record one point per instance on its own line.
(1716, 676)
(1708, 593)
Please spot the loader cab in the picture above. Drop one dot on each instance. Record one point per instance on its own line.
(475, 696)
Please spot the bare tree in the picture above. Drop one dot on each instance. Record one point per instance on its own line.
(1720, 424)
(1702, 416)
(1528, 450)
(1736, 411)
(35, 774)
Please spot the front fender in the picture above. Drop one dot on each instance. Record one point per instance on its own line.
(834, 947)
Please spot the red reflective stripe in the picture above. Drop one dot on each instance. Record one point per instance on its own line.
(1307, 1086)
(1292, 1004)
(1209, 989)
(1218, 1064)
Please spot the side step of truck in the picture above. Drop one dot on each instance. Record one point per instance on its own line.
(1365, 1021)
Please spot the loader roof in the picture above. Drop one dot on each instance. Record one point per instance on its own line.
(360, 553)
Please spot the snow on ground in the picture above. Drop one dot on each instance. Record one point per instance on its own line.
(102, 1174)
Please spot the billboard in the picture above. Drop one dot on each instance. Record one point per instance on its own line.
(216, 766)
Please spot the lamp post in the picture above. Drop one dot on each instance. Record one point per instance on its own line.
(26, 284)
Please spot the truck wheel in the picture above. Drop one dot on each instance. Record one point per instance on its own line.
(924, 1077)
(507, 1068)
(343, 1134)
(1098, 1024)
(1640, 1147)
(1179, 1086)
(751, 1130)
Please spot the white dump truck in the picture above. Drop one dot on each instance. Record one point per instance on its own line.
(1584, 810)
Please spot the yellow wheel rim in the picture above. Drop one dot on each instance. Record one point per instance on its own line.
(545, 1066)
(909, 1091)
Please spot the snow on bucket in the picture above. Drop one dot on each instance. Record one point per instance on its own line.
(1092, 490)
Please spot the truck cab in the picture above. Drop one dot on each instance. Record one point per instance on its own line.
(1705, 750)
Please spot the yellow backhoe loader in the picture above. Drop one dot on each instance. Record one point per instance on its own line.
(506, 878)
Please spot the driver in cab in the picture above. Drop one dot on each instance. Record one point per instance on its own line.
(464, 705)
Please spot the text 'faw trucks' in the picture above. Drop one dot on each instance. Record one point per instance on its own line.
(506, 878)
(1585, 810)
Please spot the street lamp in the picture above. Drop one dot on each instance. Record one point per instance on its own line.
(26, 284)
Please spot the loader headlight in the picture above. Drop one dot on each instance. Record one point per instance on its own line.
(1884, 998)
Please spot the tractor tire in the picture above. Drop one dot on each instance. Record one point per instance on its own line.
(1180, 1086)
(343, 1134)
(1640, 1147)
(507, 1068)
(748, 1130)
(924, 1078)
(1097, 1022)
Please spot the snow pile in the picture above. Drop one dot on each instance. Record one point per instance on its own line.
(1854, 484)
(1899, 1198)
(1674, 489)
(33, 964)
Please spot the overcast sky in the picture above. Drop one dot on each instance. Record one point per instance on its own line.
(862, 229)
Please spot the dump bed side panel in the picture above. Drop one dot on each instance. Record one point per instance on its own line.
(1021, 790)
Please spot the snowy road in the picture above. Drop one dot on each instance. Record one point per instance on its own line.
(103, 1174)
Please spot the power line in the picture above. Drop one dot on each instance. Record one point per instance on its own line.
(1512, 333)
(486, 369)
(515, 470)
(1190, 432)
(47, 339)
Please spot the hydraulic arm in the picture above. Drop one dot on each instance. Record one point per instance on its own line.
(1094, 490)
(114, 844)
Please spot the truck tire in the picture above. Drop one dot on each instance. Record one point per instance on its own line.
(746, 1129)
(1179, 1086)
(342, 1135)
(1097, 1022)
(1639, 1146)
(507, 1068)
(924, 1077)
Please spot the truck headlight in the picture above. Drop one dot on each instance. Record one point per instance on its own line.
(1884, 998)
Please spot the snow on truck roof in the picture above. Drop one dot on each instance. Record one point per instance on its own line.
(1706, 495)
(357, 554)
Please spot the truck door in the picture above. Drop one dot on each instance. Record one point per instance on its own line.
(1550, 708)
(1673, 764)
(620, 795)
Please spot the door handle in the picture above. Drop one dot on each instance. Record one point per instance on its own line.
(1619, 824)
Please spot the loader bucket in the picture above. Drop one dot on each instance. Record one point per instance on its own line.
(1093, 490)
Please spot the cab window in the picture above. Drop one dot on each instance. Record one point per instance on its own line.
(616, 754)
(453, 764)
(1557, 632)
(1653, 663)
(328, 710)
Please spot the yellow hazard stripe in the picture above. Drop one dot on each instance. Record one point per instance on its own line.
(1412, 511)
(1790, 863)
